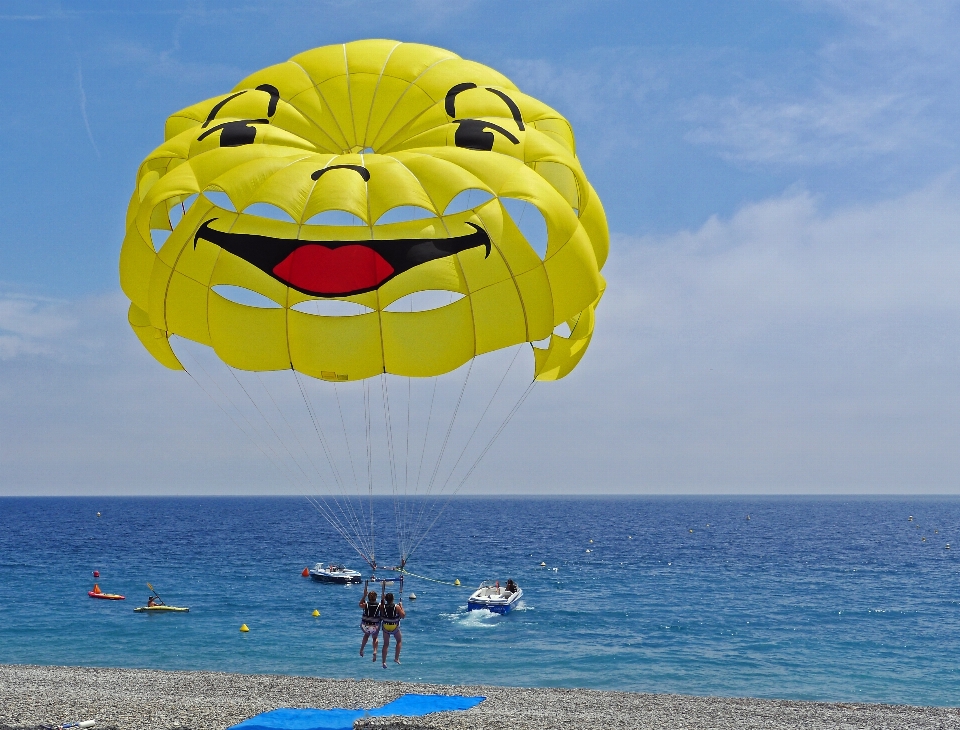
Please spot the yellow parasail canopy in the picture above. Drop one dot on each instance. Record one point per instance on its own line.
(366, 128)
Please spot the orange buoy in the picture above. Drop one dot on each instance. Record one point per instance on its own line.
(96, 588)
(306, 573)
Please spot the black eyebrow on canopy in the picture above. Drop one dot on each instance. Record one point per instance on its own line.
(271, 107)
(450, 101)
(362, 171)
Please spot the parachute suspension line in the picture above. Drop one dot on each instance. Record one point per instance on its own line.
(367, 556)
(366, 416)
(446, 438)
(476, 427)
(293, 458)
(426, 433)
(482, 416)
(323, 442)
(346, 439)
(260, 441)
(388, 428)
(476, 463)
(423, 448)
(406, 462)
(356, 523)
(273, 460)
(443, 447)
(353, 468)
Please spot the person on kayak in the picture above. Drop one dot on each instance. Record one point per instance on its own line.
(151, 602)
(390, 616)
(370, 622)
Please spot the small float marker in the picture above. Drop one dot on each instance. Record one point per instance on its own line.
(306, 573)
(98, 514)
(315, 613)
(413, 596)
(691, 530)
(543, 565)
(244, 628)
(456, 581)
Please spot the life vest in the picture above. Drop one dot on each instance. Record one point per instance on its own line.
(390, 617)
(370, 621)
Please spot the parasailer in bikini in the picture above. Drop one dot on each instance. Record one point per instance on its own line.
(390, 615)
(370, 621)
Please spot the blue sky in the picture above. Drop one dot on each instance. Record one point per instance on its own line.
(779, 178)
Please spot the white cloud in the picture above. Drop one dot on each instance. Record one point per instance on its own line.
(30, 325)
(784, 349)
(884, 84)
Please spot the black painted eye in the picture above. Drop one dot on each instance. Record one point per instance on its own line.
(239, 132)
(236, 133)
(472, 134)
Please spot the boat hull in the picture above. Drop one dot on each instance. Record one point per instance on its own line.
(494, 604)
(161, 609)
(341, 579)
(334, 574)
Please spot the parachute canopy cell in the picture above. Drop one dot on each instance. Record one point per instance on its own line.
(329, 178)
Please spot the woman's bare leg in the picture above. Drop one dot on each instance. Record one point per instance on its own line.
(386, 645)
(396, 652)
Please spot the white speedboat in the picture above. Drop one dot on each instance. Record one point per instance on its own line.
(334, 573)
(494, 597)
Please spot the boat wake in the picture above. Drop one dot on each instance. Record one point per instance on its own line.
(481, 619)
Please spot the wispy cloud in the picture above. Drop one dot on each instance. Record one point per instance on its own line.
(885, 83)
(83, 107)
(784, 348)
(31, 325)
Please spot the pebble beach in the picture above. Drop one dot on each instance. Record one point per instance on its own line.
(140, 699)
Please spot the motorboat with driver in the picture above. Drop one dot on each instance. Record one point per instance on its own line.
(334, 573)
(494, 597)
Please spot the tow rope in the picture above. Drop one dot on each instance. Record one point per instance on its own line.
(423, 577)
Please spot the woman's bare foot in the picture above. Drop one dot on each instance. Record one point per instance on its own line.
(361, 652)
(384, 665)
(396, 661)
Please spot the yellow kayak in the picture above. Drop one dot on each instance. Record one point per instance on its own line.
(161, 609)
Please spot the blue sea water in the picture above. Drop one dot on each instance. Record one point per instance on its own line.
(810, 598)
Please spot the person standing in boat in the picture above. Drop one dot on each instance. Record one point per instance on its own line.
(390, 615)
(370, 622)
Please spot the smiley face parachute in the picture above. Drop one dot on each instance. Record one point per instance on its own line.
(372, 210)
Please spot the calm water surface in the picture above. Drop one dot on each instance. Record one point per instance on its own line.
(826, 599)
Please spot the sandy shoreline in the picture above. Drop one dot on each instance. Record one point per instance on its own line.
(137, 699)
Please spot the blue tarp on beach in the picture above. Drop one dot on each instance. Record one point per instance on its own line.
(407, 706)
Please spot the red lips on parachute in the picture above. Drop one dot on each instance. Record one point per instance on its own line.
(338, 270)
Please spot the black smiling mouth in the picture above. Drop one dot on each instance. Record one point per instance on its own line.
(338, 268)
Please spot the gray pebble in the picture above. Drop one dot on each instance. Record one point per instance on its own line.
(140, 699)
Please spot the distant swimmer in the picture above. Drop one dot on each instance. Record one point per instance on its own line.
(370, 621)
(390, 615)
